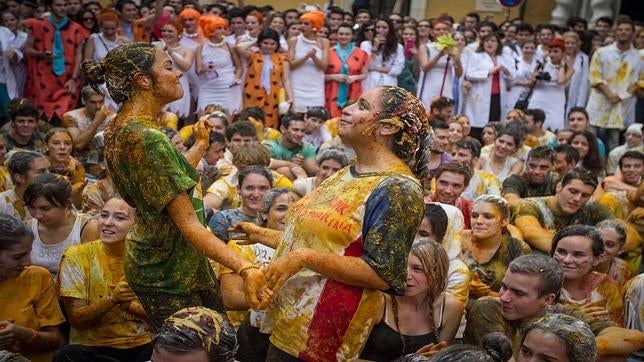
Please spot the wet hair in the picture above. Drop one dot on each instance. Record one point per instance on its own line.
(587, 231)
(196, 329)
(499, 203)
(22, 107)
(435, 264)
(581, 174)
(118, 68)
(56, 189)
(19, 162)
(438, 220)
(631, 154)
(242, 128)
(13, 231)
(546, 268)
(616, 225)
(538, 115)
(55, 130)
(269, 34)
(576, 335)
(252, 153)
(413, 140)
(255, 169)
(593, 160)
(334, 154)
(455, 167)
(570, 153)
(470, 144)
(541, 153)
(496, 347)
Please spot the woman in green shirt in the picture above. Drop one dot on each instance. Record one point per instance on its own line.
(167, 255)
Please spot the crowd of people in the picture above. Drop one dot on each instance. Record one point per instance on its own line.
(222, 183)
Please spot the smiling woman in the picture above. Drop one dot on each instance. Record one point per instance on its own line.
(167, 265)
(349, 238)
(107, 318)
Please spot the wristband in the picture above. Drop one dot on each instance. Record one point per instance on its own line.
(247, 267)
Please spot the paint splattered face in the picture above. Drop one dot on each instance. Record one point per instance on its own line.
(543, 346)
(166, 78)
(575, 255)
(360, 115)
(487, 220)
(252, 191)
(115, 220)
(281, 204)
(60, 146)
(416, 277)
(519, 296)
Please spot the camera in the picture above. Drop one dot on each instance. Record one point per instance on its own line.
(543, 76)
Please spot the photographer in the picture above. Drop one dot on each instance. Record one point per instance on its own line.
(550, 79)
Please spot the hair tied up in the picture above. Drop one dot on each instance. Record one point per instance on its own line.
(94, 73)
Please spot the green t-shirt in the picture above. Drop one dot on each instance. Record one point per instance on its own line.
(279, 152)
(148, 172)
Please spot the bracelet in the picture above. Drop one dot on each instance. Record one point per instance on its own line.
(247, 267)
(34, 334)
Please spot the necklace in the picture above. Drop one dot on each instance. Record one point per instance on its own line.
(191, 36)
(173, 48)
(217, 44)
(309, 41)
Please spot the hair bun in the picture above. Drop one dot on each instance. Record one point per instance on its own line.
(498, 346)
(94, 73)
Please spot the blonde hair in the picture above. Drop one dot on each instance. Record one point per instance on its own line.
(435, 263)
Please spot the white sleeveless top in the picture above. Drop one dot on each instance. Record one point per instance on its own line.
(48, 255)
(307, 80)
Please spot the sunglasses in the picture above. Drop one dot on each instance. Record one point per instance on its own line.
(369, 29)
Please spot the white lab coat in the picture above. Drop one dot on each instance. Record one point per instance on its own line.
(579, 85)
(395, 63)
(476, 101)
(15, 72)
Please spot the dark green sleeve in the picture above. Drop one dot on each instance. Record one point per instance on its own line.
(514, 185)
(483, 317)
(161, 173)
(599, 212)
(526, 207)
(393, 213)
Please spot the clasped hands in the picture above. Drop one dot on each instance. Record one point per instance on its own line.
(260, 285)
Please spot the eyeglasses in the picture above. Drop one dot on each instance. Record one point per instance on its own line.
(88, 19)
(396, 20)
(423, 25)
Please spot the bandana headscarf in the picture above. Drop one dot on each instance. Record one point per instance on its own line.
(316, 18)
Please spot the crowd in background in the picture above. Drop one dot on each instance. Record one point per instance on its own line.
(531, 237)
